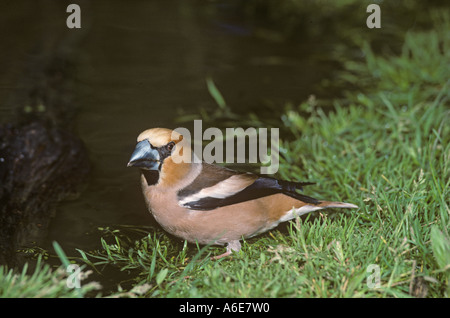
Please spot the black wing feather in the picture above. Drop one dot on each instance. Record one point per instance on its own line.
(263, 186)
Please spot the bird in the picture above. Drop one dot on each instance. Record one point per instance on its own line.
(206, 203)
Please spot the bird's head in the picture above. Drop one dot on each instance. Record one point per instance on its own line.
(157, 151)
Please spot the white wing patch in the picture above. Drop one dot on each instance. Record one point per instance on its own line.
(221, 190)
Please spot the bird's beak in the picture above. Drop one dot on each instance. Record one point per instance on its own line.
(145, 156)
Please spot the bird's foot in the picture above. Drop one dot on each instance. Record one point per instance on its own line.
(231, 246)
(215, 258)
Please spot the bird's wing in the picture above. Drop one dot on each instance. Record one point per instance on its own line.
(217, 186)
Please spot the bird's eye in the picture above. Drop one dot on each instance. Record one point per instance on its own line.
(170, 146)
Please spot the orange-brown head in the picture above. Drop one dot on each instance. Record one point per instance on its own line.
(163, 152)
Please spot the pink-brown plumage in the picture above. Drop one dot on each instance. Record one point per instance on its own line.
(210, 204)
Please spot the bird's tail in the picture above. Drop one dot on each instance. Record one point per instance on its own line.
(307, 208)
(320, 203)
(290, 187)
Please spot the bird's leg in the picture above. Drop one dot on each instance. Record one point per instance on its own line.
(231, 246)
(227, 253)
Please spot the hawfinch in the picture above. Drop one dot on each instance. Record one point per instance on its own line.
(209, 204)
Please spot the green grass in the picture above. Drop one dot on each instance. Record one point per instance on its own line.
(384, 147)
(44, 281)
